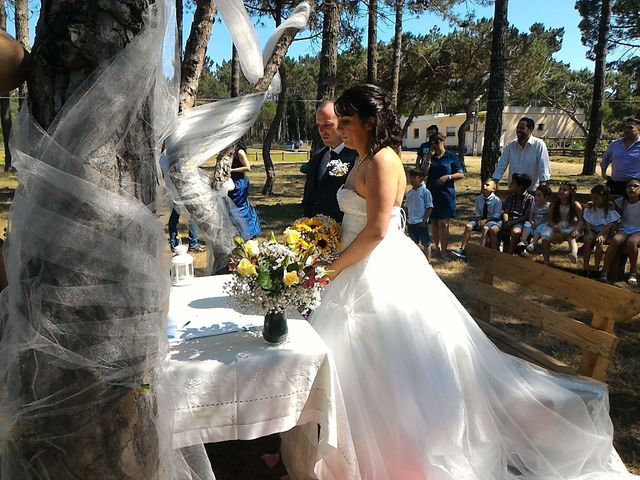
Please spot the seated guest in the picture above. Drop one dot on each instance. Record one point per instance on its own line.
(627, 232)
(624, 157)
(600, 220)
(537, 218)
(565, 222)
(488, 213)
(515, 211)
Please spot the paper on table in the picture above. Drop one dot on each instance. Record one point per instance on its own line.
(202, 310)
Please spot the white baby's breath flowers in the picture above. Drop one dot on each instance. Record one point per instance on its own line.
(337, 168)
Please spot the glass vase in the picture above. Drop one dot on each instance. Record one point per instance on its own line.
(275, 328)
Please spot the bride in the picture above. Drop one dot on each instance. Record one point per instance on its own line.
(428, 396)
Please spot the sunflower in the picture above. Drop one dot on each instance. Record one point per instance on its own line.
(313, 223)
(323, 243)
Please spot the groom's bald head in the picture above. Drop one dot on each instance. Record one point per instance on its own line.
(327, 123)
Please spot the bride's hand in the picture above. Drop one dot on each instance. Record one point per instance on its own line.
(333, 271)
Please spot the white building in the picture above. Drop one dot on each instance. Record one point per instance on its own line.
(550, 123)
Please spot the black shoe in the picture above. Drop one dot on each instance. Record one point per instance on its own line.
(198, 248)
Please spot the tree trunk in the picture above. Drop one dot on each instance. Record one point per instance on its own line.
(462, 132)
(86, 420)
(269, 169)
(397, 53)
(194, 52)
(179, 25)
(372, 43)
(225, 157)
(22, 35)
(412, 114)
(235, 72)
(495, 104)
(596, 114)
(5, 120)
(329, 51)
(427, 75)
(5, 105)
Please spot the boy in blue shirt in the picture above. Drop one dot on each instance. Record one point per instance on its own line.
(418, 204)
(488, 212)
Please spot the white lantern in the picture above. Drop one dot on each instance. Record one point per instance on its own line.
(182, 267)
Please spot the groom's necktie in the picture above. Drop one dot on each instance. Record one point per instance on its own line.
(333, 155)
(485, 209)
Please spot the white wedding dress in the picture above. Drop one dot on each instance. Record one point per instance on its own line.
(428, 395)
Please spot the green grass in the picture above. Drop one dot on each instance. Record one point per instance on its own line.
(277, 156)
(566, 159)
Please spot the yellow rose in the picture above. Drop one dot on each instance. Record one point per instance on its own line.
(290, 278)
(246, 268)
(291, 236)
(252, 248)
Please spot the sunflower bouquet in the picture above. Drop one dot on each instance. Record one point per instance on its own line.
(321, 233)
(273, 275)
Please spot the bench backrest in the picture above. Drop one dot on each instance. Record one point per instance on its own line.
(608, 304)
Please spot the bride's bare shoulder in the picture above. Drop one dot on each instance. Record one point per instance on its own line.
(386, 157)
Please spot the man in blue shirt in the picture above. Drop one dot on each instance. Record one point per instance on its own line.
(425, 147)
(624, 157)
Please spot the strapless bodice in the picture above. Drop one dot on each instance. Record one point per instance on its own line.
(355, 215)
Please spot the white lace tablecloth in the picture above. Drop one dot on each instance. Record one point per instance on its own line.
(231, 385)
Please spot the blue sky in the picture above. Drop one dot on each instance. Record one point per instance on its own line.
(522, 13)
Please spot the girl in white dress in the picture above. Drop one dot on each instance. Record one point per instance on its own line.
(627, 233)
(600, 219)
(427, 395)
(564, 223)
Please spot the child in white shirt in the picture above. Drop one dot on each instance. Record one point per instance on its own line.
(538, 214)
(488, 212)
(600, 219)
(627, 232)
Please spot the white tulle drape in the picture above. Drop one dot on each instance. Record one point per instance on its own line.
(68, 214)
(204, 131)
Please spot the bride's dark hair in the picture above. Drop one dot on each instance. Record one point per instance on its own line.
(370, 101)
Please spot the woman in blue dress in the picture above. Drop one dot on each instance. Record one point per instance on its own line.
(443, 169)
(240, 194)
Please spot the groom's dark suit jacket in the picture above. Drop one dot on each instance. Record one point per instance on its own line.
(320, 194)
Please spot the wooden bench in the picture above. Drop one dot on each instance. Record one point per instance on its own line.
(606, 303)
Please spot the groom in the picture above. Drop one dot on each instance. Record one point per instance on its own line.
(328, 168)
